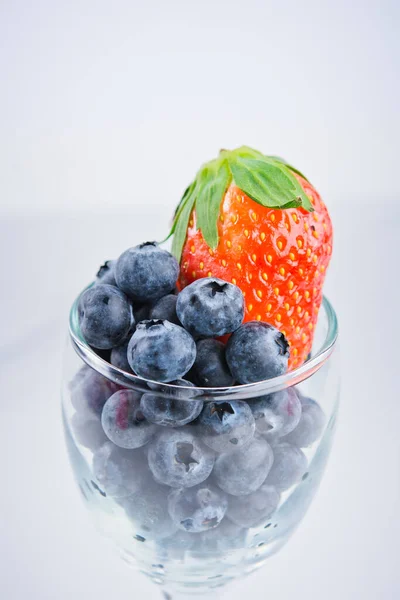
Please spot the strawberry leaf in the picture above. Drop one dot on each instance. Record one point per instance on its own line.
(246, 152)
(181, 221)
(267, 182)
(284, 162)
(212, 188)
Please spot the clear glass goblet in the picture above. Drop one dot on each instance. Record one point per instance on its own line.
(199, 486)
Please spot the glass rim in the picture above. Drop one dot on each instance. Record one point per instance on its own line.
(242, 391)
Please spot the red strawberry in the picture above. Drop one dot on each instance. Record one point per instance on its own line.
(257, 222)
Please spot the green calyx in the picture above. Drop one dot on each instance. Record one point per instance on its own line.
(268, 180)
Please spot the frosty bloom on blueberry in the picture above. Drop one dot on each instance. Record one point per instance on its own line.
(116, 470)
(226, 426)
(123, 420)
(106, 273)
(257, 351)
(277, 414)
(197, 508)
(90, 391)
(174, 411)
(253, 510)
(210, 307)
(310, 426)
(176, 546)
(141, 312)
(105, 316)
(289, 466)
(210, 368)
(148, 509)
(179, 459)
(119, 357)
(226, 537)
(146, 272)
(165, 309)
(161, 351)
(232, 472)
(88, 430)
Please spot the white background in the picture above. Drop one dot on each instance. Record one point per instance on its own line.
(106, 111)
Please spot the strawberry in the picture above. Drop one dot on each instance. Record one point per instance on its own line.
(258, 222)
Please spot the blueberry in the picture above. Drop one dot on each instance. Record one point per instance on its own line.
(146, 272)
(210, 307)
(119, 357)
(104, 354)
(90, 390)
(243, 472)
(210, 368)
(148, 509)
(224, 538)
(88, 431)
(176, 545)
(165, 309)
(105, 316)
(310, 427)
(141, 312)
(253, 510)
(178, 459)
(123, 421)
(197, 508)
(118, 471)
(276, 414)
(257, 351)
(174, 411)
(289, 466)
(161, 351)
(106, 273)
(226, 426)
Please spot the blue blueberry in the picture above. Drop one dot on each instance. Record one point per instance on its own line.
(197, 508)
(176, 545)
(253, 510)
(178, 459)
(147, 508)
(226, 426)
(289, 466)
(210, 307)
(104, 354)
(89, 391)
(223, 539)
(141, 312)
(276, 414)
(119, 472)
(210, 368)
(119, 357)
(176, 410)
(165, 309)
(257, 351)
(88, 431)
(310, 427)
(161, 351)
(105, 316)
(123, 421)
(106, 273)
(146, 272)
(243, 472)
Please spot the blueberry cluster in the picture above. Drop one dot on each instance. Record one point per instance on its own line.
(136, 314)
(191, 474)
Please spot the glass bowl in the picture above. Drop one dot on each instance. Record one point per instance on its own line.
(196, 505)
